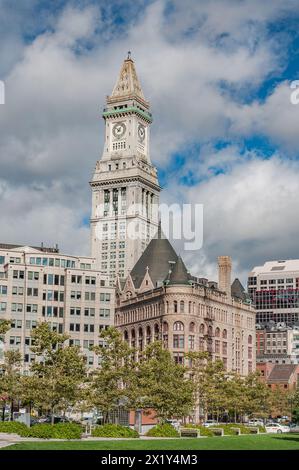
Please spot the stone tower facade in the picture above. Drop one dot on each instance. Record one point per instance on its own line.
(125, 188)
(224, 274)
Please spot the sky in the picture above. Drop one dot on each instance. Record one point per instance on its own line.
(225, 133)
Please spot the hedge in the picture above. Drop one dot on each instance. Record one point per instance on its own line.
(13, 427)
(114, 430)
(163, 430)
(203, 431)
(43, 431)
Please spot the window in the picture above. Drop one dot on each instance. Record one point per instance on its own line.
(75, 327)
(191, 342)
(18, 274)
(175, 306)
(90, 296)
(3, 290)
(192, 327)
(75, 295)
(75, 311)
(33, 275)
(89, 328)
(179, 358)
(104, 313)
(178, 326)
(104, 297)
(32, 292)
(89, 280)
(178, 341)
(2, 259)
(224, 334)
(182, 306)
(89, 312)
(76, 279)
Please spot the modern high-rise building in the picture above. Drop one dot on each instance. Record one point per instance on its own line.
(274, 290)
(40, 284)
(125, 188)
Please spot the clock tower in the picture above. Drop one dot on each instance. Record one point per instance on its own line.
(125, 188)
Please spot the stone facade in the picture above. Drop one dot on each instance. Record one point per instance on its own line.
(125, 188)
(184, 312)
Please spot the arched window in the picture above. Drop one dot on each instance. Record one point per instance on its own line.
(126, 336)
(175, 306)
(192, 327)
(217, 332)
(167, 307)
(178, 326)
(148, 334)
(210, 331)
(202, 329)
(156, 332)
(182, 306)
(224, 334)
(165, 327)
(249, 339)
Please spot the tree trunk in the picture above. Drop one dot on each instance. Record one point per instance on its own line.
(11, 410)
(52, 415)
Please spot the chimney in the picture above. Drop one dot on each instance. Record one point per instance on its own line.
(224, 274)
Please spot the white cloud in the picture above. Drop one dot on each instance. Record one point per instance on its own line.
(51, 132)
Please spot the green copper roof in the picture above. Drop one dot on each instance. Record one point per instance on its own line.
(131, 109)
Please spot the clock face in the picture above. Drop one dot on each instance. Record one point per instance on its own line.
(119, 130)
(141, 132)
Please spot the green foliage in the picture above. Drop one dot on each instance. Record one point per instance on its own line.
(13, 427)
(112, 383)
(4, 327)
(114, 430)
(163, 385)
(57, 380)
(163, 430)
(202, 429)
(43, 431)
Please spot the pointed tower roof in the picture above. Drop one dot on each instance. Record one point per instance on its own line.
(157, 258)
(179, 273)
(239, 292)
(127, 85)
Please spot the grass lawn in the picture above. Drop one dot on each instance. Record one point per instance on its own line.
(259, 442)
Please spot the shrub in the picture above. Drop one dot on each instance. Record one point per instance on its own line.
(43, 431)
(163, 430)
(55, 431)
(13, 427)
(114, 430)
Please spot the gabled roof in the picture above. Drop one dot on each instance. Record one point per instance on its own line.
(282, 373)
(157, 257)
(179, 273)
(127, 85)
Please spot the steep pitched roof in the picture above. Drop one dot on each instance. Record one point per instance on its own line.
(128, 84)
(281, 373)
(157, 258)
(179, 273)
(238, 291)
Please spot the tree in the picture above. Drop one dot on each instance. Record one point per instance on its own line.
(58, 371)
(112, 383)
(163, 385)
(4, 327)
(10, 387)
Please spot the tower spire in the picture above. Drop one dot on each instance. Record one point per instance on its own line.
(128, 85)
